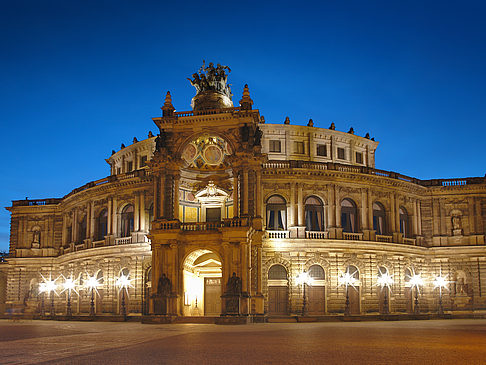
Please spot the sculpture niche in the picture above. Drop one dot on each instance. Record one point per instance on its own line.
(212, 89)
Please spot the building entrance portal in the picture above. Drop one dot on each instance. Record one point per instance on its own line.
(202, 284)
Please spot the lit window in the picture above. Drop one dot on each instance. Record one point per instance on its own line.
(274, 146)
(276, 213)
(321, 150)
(359, 157)
(299, 147)
(314, 214)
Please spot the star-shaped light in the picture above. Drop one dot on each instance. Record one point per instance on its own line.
(304, 278)
(347, 279)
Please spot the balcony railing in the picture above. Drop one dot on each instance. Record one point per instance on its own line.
(123, 241)
(201, 226)
(277, 234)
(291, 164)
(384, 238)
(409, 241)
(353, 236)
(315, 235)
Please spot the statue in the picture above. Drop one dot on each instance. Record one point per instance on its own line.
(234, 285)
(210, 78)
(258, 137)
(164, 287)
(456, 225)
(36, 237)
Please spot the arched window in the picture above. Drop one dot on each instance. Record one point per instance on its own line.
(276, 213)
(277, 272)
(316, 272)
(314, 214)
(353, 271)
(82, 230)
(404, 222)
(408, 276)
(349, 216)
(102, 225)
(379, 218)
(127, 221)
(125, 272)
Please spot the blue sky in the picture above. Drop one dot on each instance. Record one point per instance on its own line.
(78, 78)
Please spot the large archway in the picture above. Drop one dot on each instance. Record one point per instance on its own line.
(202, 280)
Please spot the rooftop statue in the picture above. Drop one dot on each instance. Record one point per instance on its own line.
(210, 79)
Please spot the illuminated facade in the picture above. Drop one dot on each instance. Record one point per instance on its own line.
(224, 214)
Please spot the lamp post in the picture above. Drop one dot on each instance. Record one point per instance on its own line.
(304, 279)
(69, 285)
(123, 282)
(416, 281)
(347, 280)
(42, 291)
(440, 282)
(50, 287)
(384, 281)
(92, 284)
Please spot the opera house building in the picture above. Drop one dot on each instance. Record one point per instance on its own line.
(222, 215)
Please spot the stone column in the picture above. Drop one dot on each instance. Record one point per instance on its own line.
(419, 218)
(64, 230)
(393, 213)
(415, 219)
(75, 226)
(142, 211)
(245, 191)
(300, 206)
(370, 209)
(136, 213)
(235, 194)
(331, 212)
(92, 221)
(338, 208)
(292, 221)
(114, 212)
(364, 210)
(258, 204)
(109, 225)
(177, 178)
(161, 196)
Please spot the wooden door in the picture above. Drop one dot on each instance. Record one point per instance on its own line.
(316, 300)
(354, 300)
(278, 299)
(212, 296)
(409, 298)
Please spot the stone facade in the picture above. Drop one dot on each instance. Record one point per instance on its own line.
(222, 212)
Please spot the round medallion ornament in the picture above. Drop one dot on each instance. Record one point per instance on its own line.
(213, 155)
(189, 153)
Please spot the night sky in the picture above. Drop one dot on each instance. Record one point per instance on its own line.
(78, 78)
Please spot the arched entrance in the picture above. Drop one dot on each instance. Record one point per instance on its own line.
(202, 284)
(278, 290)
(317, 291)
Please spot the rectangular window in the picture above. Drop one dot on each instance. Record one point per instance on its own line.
(321, 150)
(274, 146)
(359, 157)
(118, 170)
(143, 161)
(129, 166)
(341, 154)
(299, 147)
